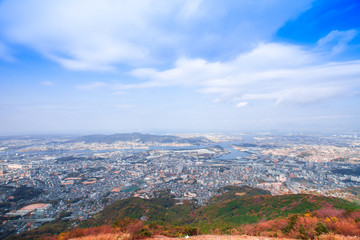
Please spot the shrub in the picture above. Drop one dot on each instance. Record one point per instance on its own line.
(302, 232)
(354, 214)
(247, 229)
(121, 224)
(145, 233)
(321, 228)
(78, 232)
(281, 223)
(265, 226)
(346, 227)
(135, 228)
(191, 231)
(291, 224)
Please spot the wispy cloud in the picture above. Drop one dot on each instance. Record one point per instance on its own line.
(48, 83)
(125, 106)
(278, 73)
(5, 53)
(336, 41)
(284, 74)
(92, 85)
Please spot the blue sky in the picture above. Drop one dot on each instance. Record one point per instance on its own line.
(106, 66)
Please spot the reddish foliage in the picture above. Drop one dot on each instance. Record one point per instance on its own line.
(156, 229)
(49, 238)
(346, 227)
(247, 229)
(281, 223)
(305, 226)
(135, 228)
(354, 214)
(257, 199)
(80, 232)
(307, 222)
(329, 212)
(264, 226)
(311, 200)
(100, 230)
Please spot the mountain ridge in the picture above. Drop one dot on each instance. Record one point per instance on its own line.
(140, 137)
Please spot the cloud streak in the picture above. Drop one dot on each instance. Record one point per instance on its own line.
(336, 41)
(283, 74)
(5, 53)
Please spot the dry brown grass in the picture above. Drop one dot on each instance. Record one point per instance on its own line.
(220, 237)
(107, 236)
(337, 237)
(240, 194)
(210, 237)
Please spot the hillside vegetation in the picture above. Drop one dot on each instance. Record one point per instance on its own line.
(235, 210)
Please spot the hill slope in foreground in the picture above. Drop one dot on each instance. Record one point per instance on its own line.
(234, 211)
(201, 237)
(210, 237)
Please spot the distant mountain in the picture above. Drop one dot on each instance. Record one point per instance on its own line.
(76, 158)
(139, 137)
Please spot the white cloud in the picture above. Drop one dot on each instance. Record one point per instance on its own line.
(283, 74)
(79, 35)
(102, 34)
(241, 104)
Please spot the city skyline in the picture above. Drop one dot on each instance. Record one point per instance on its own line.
(180, 66)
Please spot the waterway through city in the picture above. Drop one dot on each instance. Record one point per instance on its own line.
(232, 153)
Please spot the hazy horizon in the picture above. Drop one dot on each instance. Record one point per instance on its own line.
(105, 66)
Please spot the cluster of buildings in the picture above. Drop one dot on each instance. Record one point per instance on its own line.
(82, 185)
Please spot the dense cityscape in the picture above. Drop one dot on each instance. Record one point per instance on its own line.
(170, 119)
(70, 177)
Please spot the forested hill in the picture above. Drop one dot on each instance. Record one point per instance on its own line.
(233, 210)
